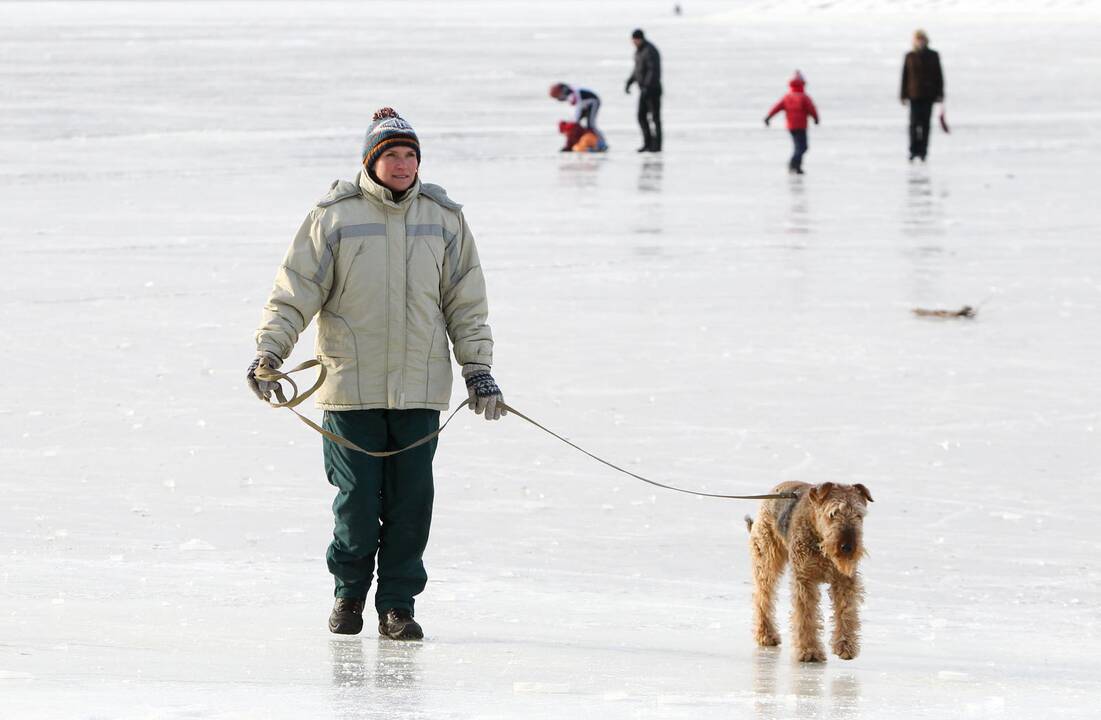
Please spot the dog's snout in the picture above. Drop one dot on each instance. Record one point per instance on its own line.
(847, 544)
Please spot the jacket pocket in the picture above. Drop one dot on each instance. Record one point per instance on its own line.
(334, 336)
(438, 347)
(439, 376)
(346, 275)
(342, 384)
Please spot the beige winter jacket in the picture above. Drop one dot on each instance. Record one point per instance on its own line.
(389, 281)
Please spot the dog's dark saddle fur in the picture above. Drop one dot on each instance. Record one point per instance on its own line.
(783, 509)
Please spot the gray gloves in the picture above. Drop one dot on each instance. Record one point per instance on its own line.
(485, 397)
(263, 388)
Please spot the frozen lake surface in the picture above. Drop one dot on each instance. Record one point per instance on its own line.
(698, 316)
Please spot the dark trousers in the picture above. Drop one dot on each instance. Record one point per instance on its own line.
(383, 505)
(921, 115)
(799, 138)
(649, 110)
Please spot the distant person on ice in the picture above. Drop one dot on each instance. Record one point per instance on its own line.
(922, 85)
(389, 268)
(797, 106)
(587, 104)
(647, 74)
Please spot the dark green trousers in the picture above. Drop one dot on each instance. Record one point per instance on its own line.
(384, 505)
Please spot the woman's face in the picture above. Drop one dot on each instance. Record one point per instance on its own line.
(397, 168)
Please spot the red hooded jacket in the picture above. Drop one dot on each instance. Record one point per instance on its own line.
(797, 105)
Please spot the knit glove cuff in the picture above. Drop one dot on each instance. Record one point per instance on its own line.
(485, 396)
(268, 359)
(479, 381)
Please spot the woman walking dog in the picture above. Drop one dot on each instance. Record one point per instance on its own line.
(389, 267)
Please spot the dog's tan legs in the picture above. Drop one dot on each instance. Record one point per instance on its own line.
(806, 621)
(768, 557)
(845, 595)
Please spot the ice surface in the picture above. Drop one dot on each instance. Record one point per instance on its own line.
(698, 316)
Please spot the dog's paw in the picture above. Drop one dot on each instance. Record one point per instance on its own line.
(846, 649)
(812, 655)
(767, 638)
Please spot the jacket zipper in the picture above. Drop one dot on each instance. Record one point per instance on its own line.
(405, 300)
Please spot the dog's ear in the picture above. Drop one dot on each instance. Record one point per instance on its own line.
(864, 491)
(818, 493)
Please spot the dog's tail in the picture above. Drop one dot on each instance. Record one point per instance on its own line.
(749, 523)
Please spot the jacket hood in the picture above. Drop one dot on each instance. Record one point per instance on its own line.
(797, 84)
(383, 194)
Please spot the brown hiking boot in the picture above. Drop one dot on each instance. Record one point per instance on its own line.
(347, 616)
(398, 624)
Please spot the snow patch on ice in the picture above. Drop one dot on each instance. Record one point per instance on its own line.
(540, 687)
(15, 675)
(196, 544)
(952, 676)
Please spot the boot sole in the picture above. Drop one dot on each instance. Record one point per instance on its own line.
(405, 634)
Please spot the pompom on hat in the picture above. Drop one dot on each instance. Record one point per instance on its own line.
(387, 130)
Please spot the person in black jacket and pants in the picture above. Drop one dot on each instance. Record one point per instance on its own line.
(922, 85)
(647, 74)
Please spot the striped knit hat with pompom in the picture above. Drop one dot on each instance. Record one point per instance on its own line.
(387, 130)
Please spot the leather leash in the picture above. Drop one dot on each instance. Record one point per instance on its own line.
(297, 399)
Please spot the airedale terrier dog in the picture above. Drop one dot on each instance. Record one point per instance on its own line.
(821, 531)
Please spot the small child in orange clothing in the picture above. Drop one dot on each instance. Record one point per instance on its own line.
(797, 105)
(581, 139)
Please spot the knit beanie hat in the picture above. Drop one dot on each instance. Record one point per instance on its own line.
(387, 130)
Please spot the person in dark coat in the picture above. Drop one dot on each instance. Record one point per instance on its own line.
(647, 74)
(922, 85)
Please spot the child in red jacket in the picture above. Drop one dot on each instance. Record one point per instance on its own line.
(797, 105)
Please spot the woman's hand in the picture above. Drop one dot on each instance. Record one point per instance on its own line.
(262, 388)
(485, 397)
